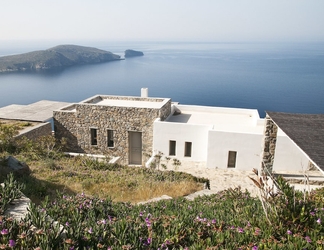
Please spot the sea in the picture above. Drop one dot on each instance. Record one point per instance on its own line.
(282, 77)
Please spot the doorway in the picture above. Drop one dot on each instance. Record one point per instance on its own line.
(135, 148)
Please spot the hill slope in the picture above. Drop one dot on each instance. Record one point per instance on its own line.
(57, 57)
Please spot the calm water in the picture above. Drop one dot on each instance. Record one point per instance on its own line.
(274, 77)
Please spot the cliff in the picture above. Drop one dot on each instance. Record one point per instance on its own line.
(57, 57)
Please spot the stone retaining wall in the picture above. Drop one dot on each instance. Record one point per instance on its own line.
(34, 132)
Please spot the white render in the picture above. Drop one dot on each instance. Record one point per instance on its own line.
(213, 131)
(288, 155)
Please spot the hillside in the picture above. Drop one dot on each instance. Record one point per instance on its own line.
(57, 57)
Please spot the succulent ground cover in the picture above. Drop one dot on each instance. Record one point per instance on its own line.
(230, 219)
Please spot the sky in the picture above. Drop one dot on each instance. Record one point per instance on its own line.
(163, 20)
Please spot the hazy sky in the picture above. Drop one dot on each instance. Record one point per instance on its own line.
(162, 20)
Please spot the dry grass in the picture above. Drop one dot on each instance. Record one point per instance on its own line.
(145, 191)
(128, 184)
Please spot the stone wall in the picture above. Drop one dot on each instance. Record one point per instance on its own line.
(76, 125)
(99, 98)
(34, 132)
(269, 145)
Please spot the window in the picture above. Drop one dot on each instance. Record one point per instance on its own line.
(188, 146)
(231, 159)
(93, 132)
(110, 138)
(172, 148)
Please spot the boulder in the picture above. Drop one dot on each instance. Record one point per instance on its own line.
(15, 166)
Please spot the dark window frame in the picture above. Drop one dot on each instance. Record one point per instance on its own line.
(188, 149)
(231, 160)
(94, 136)
(110, 138)
(172, 148)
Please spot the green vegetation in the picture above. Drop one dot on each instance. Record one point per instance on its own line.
(231, 219)
(228, 220)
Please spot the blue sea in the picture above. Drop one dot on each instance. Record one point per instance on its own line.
(285, 77)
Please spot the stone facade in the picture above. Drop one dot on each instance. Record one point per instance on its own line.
(269, 145)
(76, 121)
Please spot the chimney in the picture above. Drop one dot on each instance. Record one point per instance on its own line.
(144, 92)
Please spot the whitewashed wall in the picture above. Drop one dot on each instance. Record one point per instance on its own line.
(163, 132)
(247, 146)
(288, 157)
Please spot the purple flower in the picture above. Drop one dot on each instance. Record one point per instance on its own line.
(319, 221)
(289, 232)
(4, 231)
(213, 221)
(12, 243)
(240, 230)
(254, 248)
(67, 224)
(308, 239)
(148, 223)
(90, 231)
(147, 242)
(312, 213)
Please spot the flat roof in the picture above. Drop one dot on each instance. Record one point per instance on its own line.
(306, 130)
(131, 103)
(222, 119)
(39, 111)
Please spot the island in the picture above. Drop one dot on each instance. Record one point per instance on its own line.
(55, 58)
(132, 53)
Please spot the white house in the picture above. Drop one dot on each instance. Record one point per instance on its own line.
(213, 137)
(217, 137)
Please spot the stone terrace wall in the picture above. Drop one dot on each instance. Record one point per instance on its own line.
(165, 111)
(39, 130)
(269, 146)
(75, 126)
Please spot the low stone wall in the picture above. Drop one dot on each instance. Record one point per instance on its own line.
(36, 131)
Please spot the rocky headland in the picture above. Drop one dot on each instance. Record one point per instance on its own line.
(55, 58)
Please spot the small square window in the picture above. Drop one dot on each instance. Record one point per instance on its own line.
(110, 138)
(172, 148)
(93, 133)
(188, 147)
